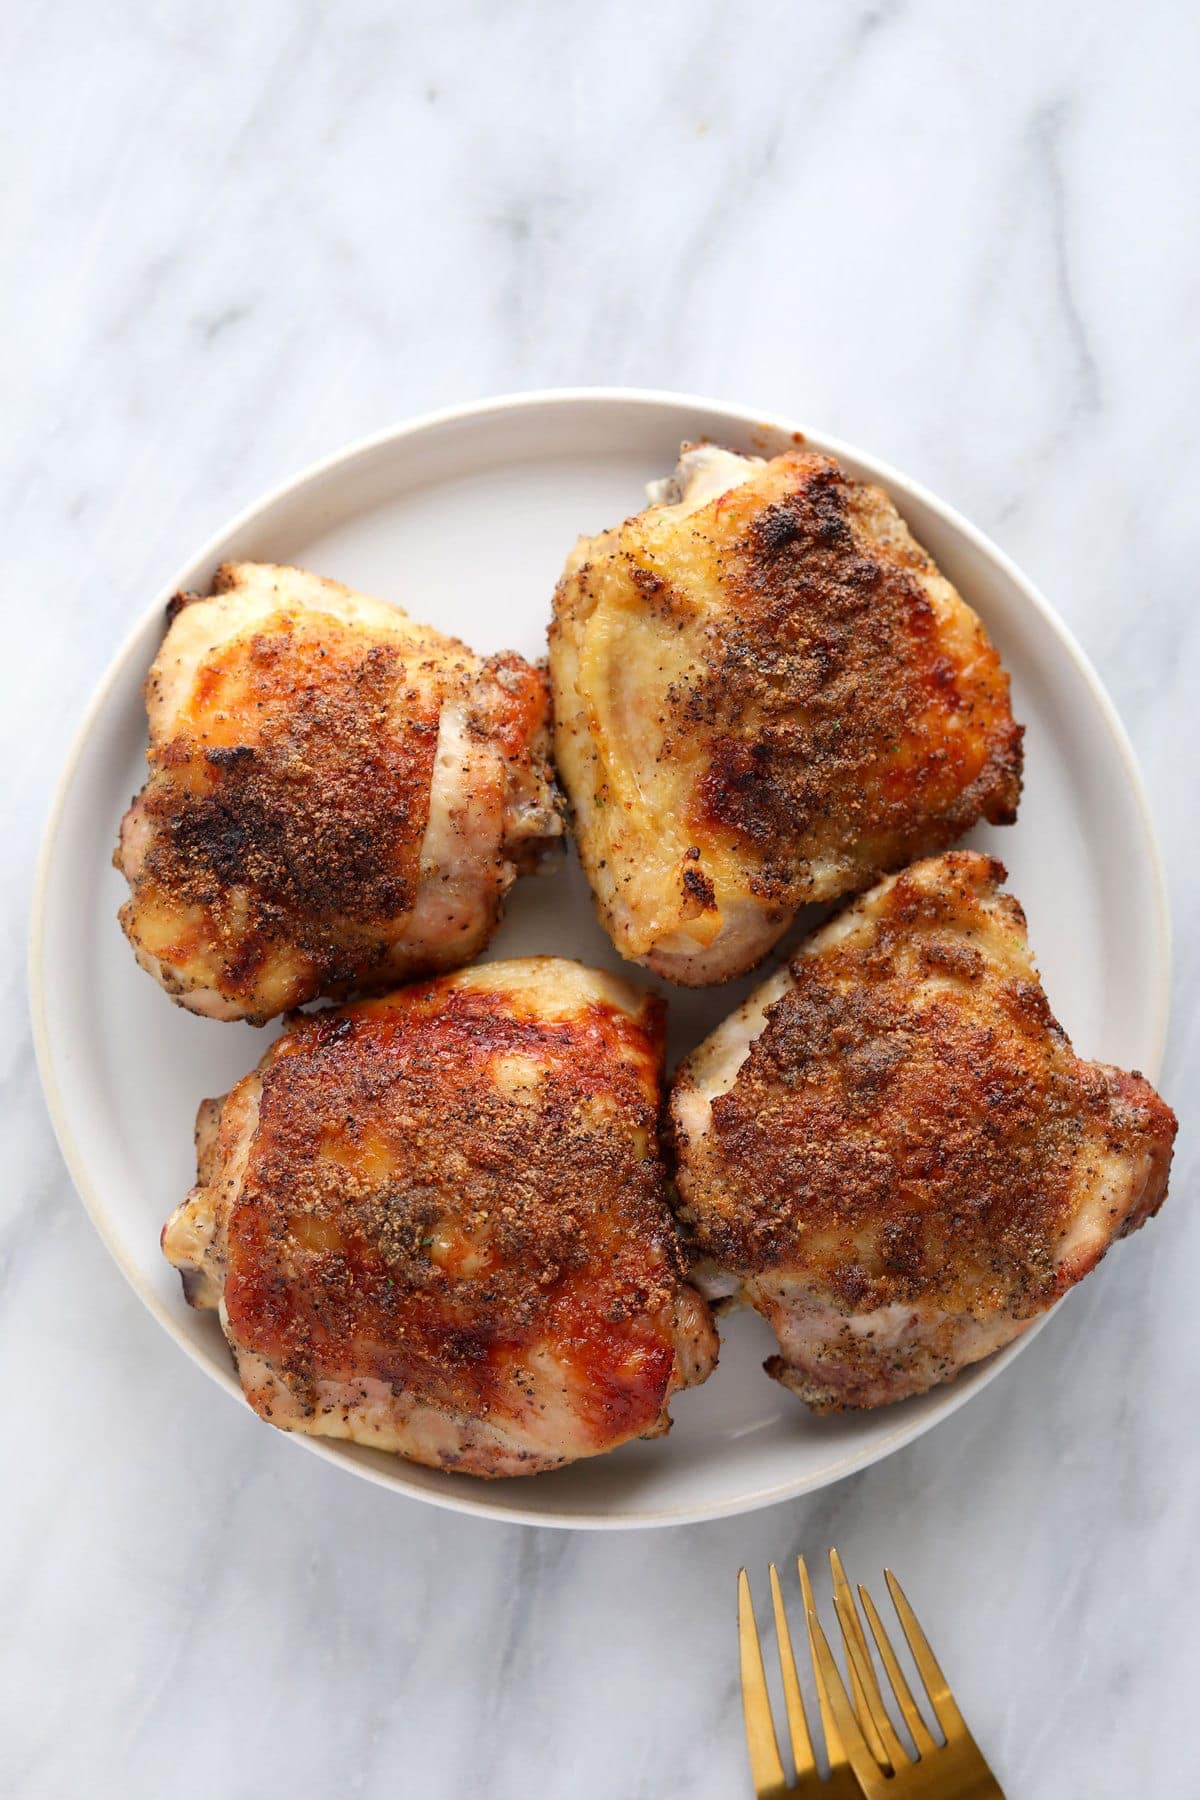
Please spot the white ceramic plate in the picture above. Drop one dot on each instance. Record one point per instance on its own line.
(465, 517)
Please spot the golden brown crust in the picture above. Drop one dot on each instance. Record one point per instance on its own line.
(766, 701)
(841, 719)
(282, 826)
(912, 1127)
(442, 1184)
(314, 812)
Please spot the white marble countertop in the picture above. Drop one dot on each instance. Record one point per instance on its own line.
(237, 235)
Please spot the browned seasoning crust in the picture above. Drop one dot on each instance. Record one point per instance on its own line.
(844, 724)
(911, 1129)
(766, 701)
(318, 817)
(288, 800)
(442, 1185)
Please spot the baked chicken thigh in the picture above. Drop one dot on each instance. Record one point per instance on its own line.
(338, 797)
(893, 1153)
(765, 694)
(436, 1223)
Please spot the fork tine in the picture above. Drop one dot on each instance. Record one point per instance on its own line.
(766, 1770)
(877, 1727)
(936, 1686)
(834, 1748)
(921, 1735)
(870, 1777)
(802, 1750)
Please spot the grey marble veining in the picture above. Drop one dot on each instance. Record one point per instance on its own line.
(960, 235)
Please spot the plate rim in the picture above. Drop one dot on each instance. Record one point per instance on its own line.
(902, 486)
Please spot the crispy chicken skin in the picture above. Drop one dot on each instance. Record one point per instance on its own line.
(892, 1151)
(437, 1223)
(765, 694)
(338, 797)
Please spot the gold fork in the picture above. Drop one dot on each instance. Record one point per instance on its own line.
(870, 1756)
(766, 1769)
